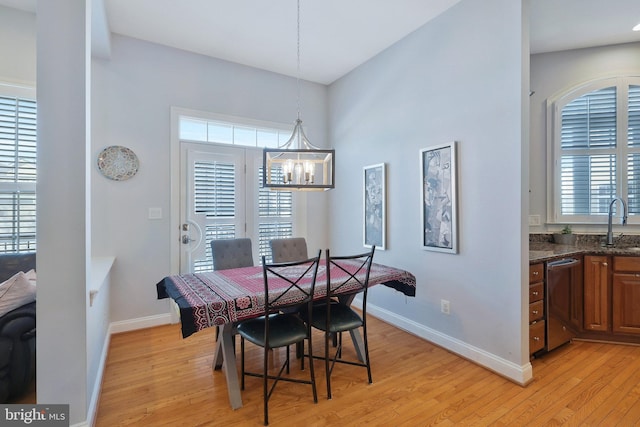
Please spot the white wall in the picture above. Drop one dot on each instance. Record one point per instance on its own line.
(462, 77)
(64, 228)
(133, 93)
(17, 46)
(552, 73)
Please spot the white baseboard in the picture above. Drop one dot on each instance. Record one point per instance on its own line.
(97, 387)
(140, 323)
(114, 328)
(516, 373)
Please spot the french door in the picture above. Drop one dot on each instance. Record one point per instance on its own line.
(221, 198)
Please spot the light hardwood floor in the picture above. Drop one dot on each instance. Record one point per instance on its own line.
(154, 377)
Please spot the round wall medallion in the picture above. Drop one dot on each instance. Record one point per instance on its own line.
(118, 163)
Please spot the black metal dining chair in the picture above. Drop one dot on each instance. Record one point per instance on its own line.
(334, 315)
(286, 285)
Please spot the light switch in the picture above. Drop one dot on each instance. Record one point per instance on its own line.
(155, 213)
(534, 219)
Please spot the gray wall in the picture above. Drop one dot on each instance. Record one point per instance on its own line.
(551, 74)
(462, 77)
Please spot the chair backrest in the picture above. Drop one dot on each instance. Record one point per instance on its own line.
(231, 253)
(347, 275)
(289, 249)
(289, 284)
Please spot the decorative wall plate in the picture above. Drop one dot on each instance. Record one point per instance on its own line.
(118, 163)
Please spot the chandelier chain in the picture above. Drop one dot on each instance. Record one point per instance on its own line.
(298, 61)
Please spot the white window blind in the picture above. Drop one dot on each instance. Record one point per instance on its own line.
(215, 197)
(596, 161)
(588, 135)
(275, 210)
(17, 174)
(633, 159)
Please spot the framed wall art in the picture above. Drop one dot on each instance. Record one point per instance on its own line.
(439, 207)
(375, 201)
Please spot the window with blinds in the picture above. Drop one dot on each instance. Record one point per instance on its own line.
(215, 186)
(595, 161)
(275, 210)
(17, 174)
(633, 158)
(215, 197)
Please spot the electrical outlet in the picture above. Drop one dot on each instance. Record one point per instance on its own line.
(445, 306)
(534, 220)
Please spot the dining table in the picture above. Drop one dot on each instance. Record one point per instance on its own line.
(225, 297)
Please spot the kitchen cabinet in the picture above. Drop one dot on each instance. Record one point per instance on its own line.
(626, 295)
(602, 303)
(537, 330)
(596, 293)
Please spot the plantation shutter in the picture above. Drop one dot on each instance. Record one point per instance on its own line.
(215, 197)
(633, 158)
(275, 216)
(588, 153)
(17, 174)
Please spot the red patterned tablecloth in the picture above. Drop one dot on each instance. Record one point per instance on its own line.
(218, 297)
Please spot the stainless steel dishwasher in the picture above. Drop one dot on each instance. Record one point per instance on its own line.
(563, 300)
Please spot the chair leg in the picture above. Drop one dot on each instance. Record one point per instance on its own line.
(326, 363)
(366, 351)
(287, 359)
(242, 362)
(264, 386)
(311, 369)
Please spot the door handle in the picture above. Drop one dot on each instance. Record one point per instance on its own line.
(186, 239)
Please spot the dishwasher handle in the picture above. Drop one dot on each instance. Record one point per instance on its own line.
(563, 263)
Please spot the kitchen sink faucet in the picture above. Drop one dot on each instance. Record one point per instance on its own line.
(624, 219)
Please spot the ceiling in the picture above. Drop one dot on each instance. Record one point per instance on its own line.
(338, 35)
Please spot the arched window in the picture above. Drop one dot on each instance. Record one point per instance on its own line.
(594, 150)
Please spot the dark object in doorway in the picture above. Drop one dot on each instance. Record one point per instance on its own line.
(17, 334)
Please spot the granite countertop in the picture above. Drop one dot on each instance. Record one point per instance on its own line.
(542, 248)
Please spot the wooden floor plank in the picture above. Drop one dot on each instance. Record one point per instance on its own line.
(154, 377)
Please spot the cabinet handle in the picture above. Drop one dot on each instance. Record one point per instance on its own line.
(536, 338)
(535, 273)
(604, 264)
(535, 292)
(535, 311)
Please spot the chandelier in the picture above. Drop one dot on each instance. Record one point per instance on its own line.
(298, 164)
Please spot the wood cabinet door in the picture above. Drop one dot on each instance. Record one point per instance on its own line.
(536, 273)
(536, 336)
(626, 303)
(596, 293)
